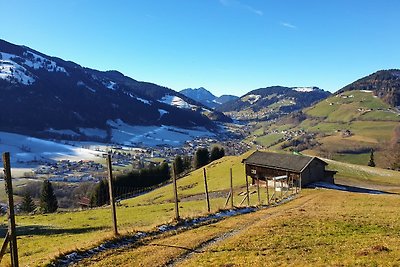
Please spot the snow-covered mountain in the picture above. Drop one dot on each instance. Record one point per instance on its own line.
(205, 97)
(40, 94)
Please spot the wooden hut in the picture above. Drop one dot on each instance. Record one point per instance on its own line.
(300, 170)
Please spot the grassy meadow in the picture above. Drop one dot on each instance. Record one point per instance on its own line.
(371, 123)
(44, 236)
(348, 230)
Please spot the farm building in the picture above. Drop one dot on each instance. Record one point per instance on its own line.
(299, 169)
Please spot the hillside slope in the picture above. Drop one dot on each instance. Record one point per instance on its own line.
(40, 93)
(272, 102)
(41, 237)
(384, 83)
(345, 127)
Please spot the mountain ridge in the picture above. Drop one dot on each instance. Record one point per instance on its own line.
(39, 92)
(207, 98)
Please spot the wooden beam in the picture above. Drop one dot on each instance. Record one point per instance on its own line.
(268, 201)
(231, 191)
(258, 191)
(111, 192)
(177, 218)
(206, 189)
(247, 191)
(10, 211)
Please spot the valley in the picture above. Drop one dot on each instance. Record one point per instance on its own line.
(60, 121)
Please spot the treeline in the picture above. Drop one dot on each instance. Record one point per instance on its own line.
(154, 175)
(201, 158)
(134, 180)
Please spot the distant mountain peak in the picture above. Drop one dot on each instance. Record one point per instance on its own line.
(205, 97)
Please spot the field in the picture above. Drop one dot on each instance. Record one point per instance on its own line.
(346, 127)
(43, 237)
(349, 229)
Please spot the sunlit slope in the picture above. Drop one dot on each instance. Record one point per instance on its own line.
(42, 237)
(344, 127)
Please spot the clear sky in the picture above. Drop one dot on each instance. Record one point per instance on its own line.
(226, 46)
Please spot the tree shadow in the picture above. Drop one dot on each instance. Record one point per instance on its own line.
(44, 230)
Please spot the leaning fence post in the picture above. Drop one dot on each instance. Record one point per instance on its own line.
(206, 188)
(111, 191)
(175, 192)
(10, 211)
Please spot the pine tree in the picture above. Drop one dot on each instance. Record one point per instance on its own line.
(202, 158)
(100, 195)
(187, 163)
(371, 162)
(214, 155)
(217, 153)
(27, 204)
(179, 168)
(48, 200)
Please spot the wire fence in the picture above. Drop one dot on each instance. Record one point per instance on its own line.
(211, 198)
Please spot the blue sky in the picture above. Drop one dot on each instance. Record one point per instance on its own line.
(227, 46)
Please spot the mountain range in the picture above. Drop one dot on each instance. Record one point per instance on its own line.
(40, 93)
(205, 97)
(272, 102)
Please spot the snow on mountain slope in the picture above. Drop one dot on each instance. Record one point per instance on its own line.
(303, 89)
(15, 73)
(130, 135)
(176, 101)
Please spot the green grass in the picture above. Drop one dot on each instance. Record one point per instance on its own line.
(268, 139)
(359, 159)
(363, 174)
(354, 106)
(380, 116)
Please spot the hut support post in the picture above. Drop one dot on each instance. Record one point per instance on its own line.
(268, 201)
(258, 190)
(247, 191)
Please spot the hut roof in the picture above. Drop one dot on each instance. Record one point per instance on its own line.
(289, 162)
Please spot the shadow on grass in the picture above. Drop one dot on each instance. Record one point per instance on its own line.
(353, 189)
(43, 230)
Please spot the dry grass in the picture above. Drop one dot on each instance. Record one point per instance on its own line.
(348, 230)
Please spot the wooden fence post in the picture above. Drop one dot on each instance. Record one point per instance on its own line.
(231, 188)
(206, 189)
(175, 192)
(247, 191)
(10, 212)
(111, 191)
